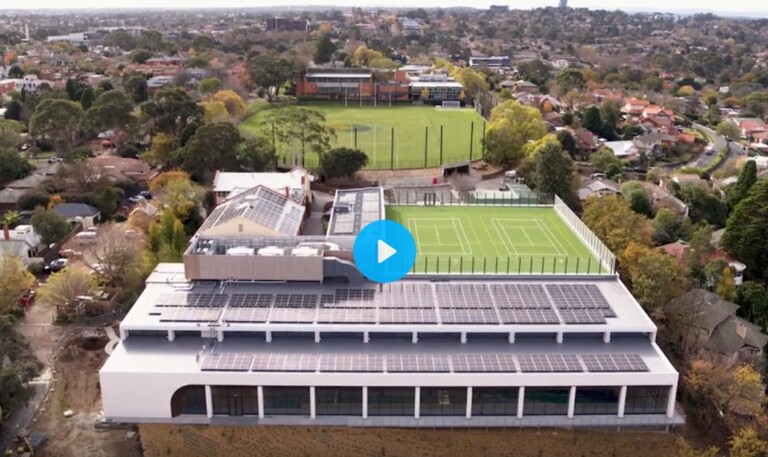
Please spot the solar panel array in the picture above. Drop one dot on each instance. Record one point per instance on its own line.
(424, 363)
(263, 206)
(399, 303)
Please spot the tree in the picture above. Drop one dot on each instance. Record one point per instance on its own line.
(752, 298)
(474, 83)
(64, 288)
(154, 240)
(712, 116)
(13, 110)
(745, 236)
(215, 112)
(555, 174)
(614, 222)
(728, 129)
(57, 121)
(593, 120)
(212, 147)
(269, 70)
(747, 179)
(87, 97)
(13, 166)
(703, 205)
(165, 151)
(567, 142)
(140, 56)
(209, 85)
(726, 286)
(302, 129)
(11, 219)
(343, 162)
(14, 281)
(177, 192)
(686, 91)
(636, 196)
(603, 158)
(112, 110)
(747, 443)
(233, 103)
(151, 40)
(15, 72)
(653, 84)
(136, 86)
(610, 111)
(668, 226)
(257, 154)
(115, 256)
(325, 50)
(510, 127)
(51, 227)
(654, 277)
(570, 79)
(171, 110)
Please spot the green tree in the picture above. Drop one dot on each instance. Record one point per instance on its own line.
(302, 129)
(151, 40)
(752, 298)
(13, 166)
(269, 70)
(634, 193)
(474, 83)
(13, 110)
(570, 79)
(614, 222)
(653, 83)
(209, 85)
(165, 151)
(603, 158)
(136, 85)
(669, 227)
(56, 121)
(745, 234)
(154, 239)
(703, 205)
(729, 129)
(64, 288)
(171, 109)
(610, 111)
(593, 120)
(325, 50)
(510, 127)
(257, 154)
(739, 190)
(140, 56)
(14, 281)
(212, 147)
(505, 95)
(87, 97)
(343, 162)
(712, 116)
(726, 286)
(567, 142)
(111, 110)
(51, 227)
(556, 174)
(654, 277)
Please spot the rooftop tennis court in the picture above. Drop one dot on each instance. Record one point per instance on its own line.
(498, 239)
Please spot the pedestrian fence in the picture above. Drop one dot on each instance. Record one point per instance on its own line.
(513, 265)
(606, 257)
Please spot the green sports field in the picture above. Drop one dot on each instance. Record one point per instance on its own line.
(413, 127)
(452, 239)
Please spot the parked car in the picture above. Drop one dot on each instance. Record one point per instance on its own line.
(143, 195)
(70, 254)
(55, 159)
(27, 298)
(56, 265)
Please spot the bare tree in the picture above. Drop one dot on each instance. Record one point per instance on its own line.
(116, 256)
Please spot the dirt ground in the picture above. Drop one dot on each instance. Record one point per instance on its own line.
(76, 387)
(262, 441)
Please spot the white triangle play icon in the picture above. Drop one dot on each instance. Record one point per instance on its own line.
(385, 251)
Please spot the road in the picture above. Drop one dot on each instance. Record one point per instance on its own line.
(703, 160)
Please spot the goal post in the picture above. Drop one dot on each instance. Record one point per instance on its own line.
(451, 104)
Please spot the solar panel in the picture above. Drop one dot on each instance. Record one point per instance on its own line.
(346, 315)
(284, 362)
(549, 363)
(529, 316)
(468, 316)
(580, 296)
(520, 296)
(245, 315)
(251, 300)
(407, 316)
(226, 362)
(463, 296)
(359, 363)
(582, 316)
(614, 362)
(414, 363)
(190, 314)
(173, 299)
(483, 363)
(402, 296)
(296, 301)
(350, 298)
(292, 315)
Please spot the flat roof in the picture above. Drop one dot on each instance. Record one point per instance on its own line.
(428, 84)
(340, 75)
(226, 181)
(469, 304)
(353, 209)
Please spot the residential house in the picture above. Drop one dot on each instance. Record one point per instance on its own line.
(156, 82)
(622, 149)
(544, 103)
(489, 62)
(283, 24)
(13, 191)
(711, 327)
(678, 249)
(661, 198)
(597, 187)
(634, 107)
(553, 118)
(684, 179)
(751, 127)
(78, 213)
(586, 142)
(520, 86)
(120, 168)
(294, 184)
(164, 61)
(651, 144)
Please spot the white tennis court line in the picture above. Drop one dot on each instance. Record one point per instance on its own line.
(552, 238)
(504, 237)
(414, 227)
(456, 225)
(499, 223)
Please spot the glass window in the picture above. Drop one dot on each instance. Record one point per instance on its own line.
(443, 401)
(339, 401)
(188, 400)
(646, 400)
(546, 401)
(596, 400)
(286, 401)
(235, 400)
(494, 401)
(391, 401)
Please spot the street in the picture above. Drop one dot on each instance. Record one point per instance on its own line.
(703, 160)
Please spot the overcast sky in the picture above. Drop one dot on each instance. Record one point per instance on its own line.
(717, 6)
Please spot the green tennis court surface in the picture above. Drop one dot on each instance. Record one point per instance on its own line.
(392, 136)
(452, 239)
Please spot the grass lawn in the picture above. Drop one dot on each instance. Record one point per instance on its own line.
(493, 239)
(374, 127)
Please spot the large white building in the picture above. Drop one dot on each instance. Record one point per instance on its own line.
(285, 331)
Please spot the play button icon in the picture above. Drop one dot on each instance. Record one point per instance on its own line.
(384, 251)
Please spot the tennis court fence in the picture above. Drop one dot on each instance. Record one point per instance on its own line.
(515, 265)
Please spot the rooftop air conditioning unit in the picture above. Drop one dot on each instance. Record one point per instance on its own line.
(271, 251)
(342, 208)
(305, 251)
(240, 250)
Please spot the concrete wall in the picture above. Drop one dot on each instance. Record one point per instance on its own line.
(246, 268)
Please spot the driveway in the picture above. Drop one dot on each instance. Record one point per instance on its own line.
(719, 143)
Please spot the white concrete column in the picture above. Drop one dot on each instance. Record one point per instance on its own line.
(415, 337)
(171, 335)
(520, 402)
(366, 337)
(317, 337)
(208, 402)
(123, 334)
(571, 402)
(671, 400)
(220, 335)
(559, 337)
(269, 336)
(417, 402)
(312, 406)
(260, 398)
(622, 400)
(365, 402)
(511, 337)
(469, 403)
(463, 337)
(607, 337)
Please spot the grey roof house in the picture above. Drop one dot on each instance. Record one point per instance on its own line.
(78, 212)
(714, 329)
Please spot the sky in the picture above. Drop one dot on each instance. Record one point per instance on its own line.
(760, 7)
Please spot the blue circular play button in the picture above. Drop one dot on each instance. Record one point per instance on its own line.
(384, 251)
